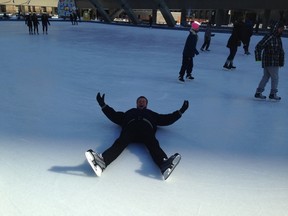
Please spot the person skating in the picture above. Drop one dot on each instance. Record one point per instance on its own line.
(189, 52)
(270, 51)
(138, 125)
(233, 42)
(45, 23)
(35, 23)
(207, 37)
(28, 22)
(248, 32)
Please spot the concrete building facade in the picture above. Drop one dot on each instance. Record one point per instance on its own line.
(14, 7)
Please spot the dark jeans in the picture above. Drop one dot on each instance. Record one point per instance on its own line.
(138, 131)
(206, 43)
(45, 27)
(187, 66)
(233, 51)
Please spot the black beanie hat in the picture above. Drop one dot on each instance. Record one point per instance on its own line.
(280, 24)
(142, 97)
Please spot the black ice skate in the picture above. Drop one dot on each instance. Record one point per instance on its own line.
(226, 67)
(259, 95)
(189, 77)
(181, 80)
(274, 97)
(169, 165)
(96, 162)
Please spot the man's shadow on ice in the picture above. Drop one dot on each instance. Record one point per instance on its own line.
(148, 167)
(83, 169)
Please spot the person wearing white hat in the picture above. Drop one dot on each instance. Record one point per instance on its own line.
(189, 52)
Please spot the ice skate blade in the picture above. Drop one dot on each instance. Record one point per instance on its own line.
(259, 99)
(226, 69)
(274, 100)
(175, 162)
(91, 160)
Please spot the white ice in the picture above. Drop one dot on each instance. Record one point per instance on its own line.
(234, 149)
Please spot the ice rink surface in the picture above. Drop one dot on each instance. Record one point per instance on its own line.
(234, 149)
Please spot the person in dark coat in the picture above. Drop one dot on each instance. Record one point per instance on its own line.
(233, 43)
(35, 23)
(28, 22)
(270, 51)
(248, 32)
(71, 18)
(75, 18)
(207, 37)
(189, 52)
(45, 23)
(138, 125)
(150, 20)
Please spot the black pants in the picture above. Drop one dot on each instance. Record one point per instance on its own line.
(45, 28)
(137, 131)
(187, 66)
(233, 51)
(35, 28)
(206, 43)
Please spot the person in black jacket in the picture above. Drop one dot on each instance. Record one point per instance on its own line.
(35, 23)
(233, 43)
(189, 52)
(138, 125)
(45, 23)
(28, 22)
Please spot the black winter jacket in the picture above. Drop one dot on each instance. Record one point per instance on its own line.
(237, 35)
(150, 117)
(190, 49)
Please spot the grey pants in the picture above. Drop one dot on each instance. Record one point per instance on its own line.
(269, 72)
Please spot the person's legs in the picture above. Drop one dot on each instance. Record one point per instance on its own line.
(110, 154)
(207, 44)
(189, 68)
(185, 65)
(274, 74)
(229, 62)
(265, 78)
(156, 152)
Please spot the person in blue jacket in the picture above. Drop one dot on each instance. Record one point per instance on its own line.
(138, 125)
(189, 52)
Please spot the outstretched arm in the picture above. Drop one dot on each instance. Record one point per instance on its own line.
(101, 100)
(168, 119)
(184, 107)
(112, 115)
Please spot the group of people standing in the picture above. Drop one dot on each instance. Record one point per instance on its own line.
(32, 22)
(269, 50)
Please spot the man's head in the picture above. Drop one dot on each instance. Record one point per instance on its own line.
(141, 102)
(280, 27)
(277, 28)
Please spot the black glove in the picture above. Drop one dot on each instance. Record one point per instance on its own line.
(184, 106)
(100, 99)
